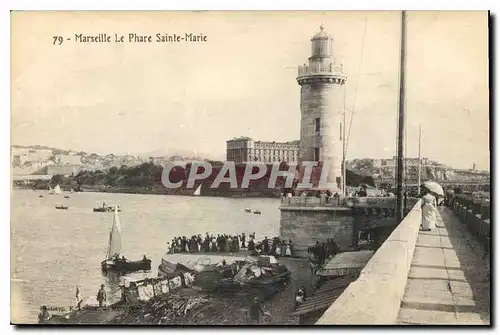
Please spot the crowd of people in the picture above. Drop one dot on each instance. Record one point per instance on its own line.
(230, 243)
(274, 247)
(209, 243)
(320, 252)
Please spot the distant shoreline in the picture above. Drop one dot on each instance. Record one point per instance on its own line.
(237, 194)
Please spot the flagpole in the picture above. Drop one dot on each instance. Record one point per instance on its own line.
(344, 182)
(401, 123)
(419, 181)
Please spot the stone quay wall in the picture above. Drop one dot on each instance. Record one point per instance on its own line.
(305, 220)
(375, 297)
(306, 225)
(477, 217)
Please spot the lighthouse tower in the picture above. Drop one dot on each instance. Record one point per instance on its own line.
(321, 107)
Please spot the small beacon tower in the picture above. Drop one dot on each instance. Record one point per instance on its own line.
(321, 107)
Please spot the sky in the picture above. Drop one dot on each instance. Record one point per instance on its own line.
(136, 98)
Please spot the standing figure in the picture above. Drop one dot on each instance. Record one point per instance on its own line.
(265, 246)
(214, 245)
(251, 245)
(256, 311)
(277, 251)
(44, 314)
(79, 299)
(101, 296)
(243, 240)
(428, 212)
(300, 297)
(288, 250)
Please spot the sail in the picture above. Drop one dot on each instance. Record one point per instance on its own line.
(57, 189)
(198, 191)
(115, 238)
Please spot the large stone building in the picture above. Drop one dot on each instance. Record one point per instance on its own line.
(321, 104)
(245, 149)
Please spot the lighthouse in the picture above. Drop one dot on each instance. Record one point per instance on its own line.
(321, 83)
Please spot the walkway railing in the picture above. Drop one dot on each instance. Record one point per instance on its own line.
(476, 214)
(375, 297)
(358, 202)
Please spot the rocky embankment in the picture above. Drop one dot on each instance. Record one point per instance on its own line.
(205, 309)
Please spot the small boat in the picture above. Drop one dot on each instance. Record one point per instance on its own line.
(51, 191)
(259, 278)
(57, 189)
(113, 262)
(248, 210)
(40, 196)
(105, 208)
(124, 265)
(257, 212)
(61, 207)
(197, 192)
(66, 196)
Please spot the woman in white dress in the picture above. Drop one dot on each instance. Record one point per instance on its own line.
(428, 212)
(288, 249)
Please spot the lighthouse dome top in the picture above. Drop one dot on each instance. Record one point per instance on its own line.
(321, 35)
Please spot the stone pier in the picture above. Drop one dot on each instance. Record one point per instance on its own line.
(438, 277)
(307, 220)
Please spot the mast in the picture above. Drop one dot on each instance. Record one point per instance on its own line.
(344, 182)
(419, 159)
(401, 123)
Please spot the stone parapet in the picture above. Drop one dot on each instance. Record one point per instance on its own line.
(349, 202)
(476, 218)
(375, 297)
(307, 220)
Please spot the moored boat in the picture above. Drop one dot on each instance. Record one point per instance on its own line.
(225, 273)
(61, 207)
(113, 261)
(105, 208)
(124, 265)
(173, 263)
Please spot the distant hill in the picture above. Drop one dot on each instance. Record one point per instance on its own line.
(177, 154)
(55, 151)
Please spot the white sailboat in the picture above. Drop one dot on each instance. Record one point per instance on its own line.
(51, 191)
(115, 237)
(57, 189)
(198, 191)
(113, 262)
